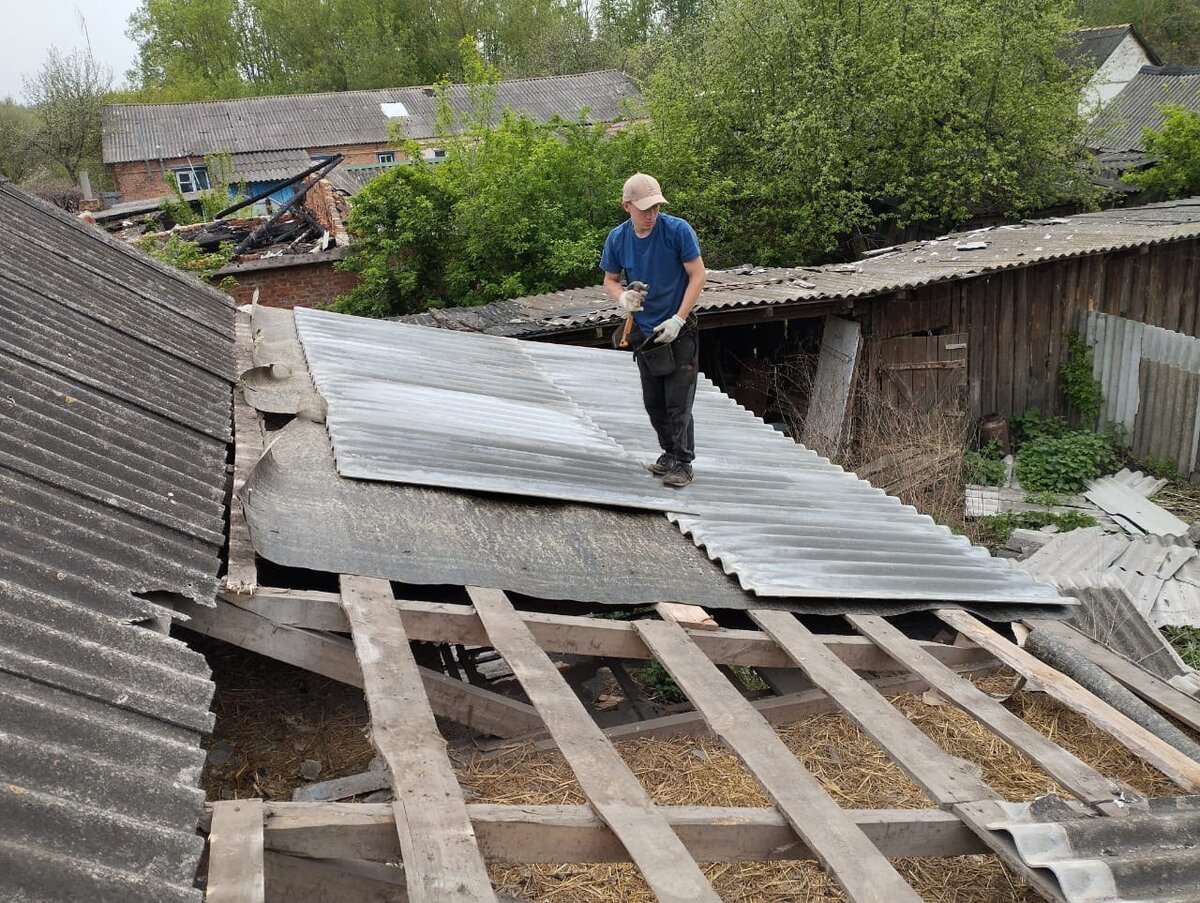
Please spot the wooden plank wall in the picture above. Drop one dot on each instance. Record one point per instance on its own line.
(1018, 319)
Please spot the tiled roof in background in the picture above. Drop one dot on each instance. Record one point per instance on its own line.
(309, 121)
(115, 382)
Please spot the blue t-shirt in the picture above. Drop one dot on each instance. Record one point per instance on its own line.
(656, 260)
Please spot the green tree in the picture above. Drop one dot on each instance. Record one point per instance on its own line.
(199, 50)
(67, 94)
(19, 159)
(787, 126)
(1175, 150)
(518, 207)
(1171, 27)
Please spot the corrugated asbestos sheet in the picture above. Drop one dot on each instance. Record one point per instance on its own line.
(115, 380)
(785, 522)
(1160, 574)
(1146, 856)
(1151, 382)
(1118, 127)
(309, 121)
(269, 166)
(907, 266)
(1095, 45)
(352, 179)
(434, 409)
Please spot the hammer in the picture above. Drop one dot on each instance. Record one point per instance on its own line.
(632, 287)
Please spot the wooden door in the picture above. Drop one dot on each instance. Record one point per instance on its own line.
(924, 372)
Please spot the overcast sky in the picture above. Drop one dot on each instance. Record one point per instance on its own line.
(30, 27)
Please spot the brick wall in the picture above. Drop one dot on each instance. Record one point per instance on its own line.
(300, 281)
(141, 180)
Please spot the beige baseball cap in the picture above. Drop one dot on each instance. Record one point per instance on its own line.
(642, 191)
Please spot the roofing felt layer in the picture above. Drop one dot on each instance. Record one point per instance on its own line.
(785, 522)
(311, 121)
(1119, 126)
(907, 266)
(115, 376)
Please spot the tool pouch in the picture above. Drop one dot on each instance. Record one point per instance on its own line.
(658, 358)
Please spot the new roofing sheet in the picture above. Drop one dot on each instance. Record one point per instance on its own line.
(785, 522)
(115, 381)
(427, 408)
(310, 121)
(1119, 126)
(907, 266)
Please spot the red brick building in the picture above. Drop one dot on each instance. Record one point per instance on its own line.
(271, 138)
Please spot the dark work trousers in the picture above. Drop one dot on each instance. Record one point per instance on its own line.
(668, 399)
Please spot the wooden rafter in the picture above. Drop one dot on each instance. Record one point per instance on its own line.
(612, 789)
(442, 862)
(838, 843)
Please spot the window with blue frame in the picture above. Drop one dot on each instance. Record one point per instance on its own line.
(386, 156)
(191, 178)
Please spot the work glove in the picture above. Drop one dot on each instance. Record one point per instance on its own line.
(668, 330)
(631, 300)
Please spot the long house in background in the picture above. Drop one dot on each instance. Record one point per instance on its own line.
(272, 138)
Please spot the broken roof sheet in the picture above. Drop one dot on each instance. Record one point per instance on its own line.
(313, 121)
(1081, 857)
(785, 522)
(1119, 126)
(907, 266)
(115, 376)
(408, 405)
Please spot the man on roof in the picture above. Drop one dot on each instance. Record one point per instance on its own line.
(662, 253)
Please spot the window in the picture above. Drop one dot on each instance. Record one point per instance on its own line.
(386, 156)
(191, 178)
(434, 155)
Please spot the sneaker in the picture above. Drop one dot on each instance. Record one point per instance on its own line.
(663, 465)
(680, 474)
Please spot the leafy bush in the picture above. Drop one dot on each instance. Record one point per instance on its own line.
(1032, 425)
(658, 684)
(997, 528)
(984, 467)
(188, 256)
(1080, 389)
(1175, 150)
(1064, 463)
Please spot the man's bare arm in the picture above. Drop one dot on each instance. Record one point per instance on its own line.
(697, 274)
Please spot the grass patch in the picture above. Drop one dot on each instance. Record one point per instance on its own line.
(995, 529)
(1186, 641)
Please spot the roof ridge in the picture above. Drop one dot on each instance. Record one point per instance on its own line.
(228, 100)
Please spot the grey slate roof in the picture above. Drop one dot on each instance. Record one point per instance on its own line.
(1096, 44)
(309, 121)
(907, 266)
(269, 166)
(115, 380)
(1118, 127)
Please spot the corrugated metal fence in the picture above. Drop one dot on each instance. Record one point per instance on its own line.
(1151, 382)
